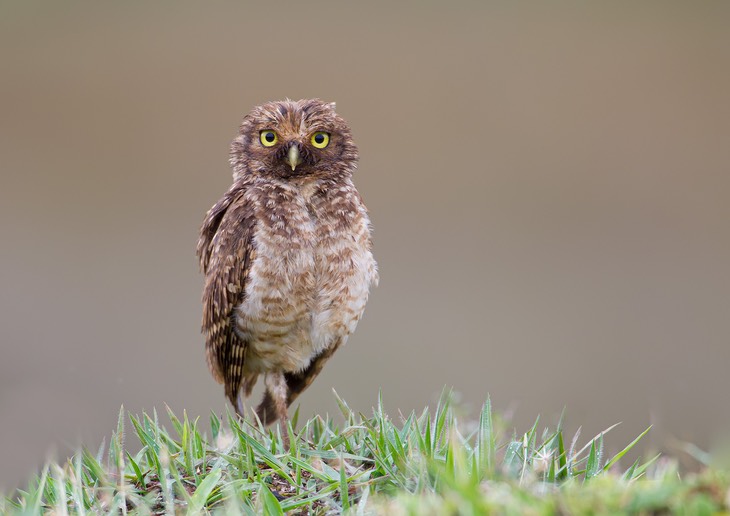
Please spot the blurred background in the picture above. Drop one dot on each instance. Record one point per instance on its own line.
(549, 186)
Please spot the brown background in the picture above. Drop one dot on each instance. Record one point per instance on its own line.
(549, 185)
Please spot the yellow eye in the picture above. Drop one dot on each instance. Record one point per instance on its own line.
(268, 138)
(320, 139)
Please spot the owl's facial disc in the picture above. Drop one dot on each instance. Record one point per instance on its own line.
(293, 157)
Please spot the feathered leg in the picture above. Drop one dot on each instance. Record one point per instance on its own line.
(269, 410)
(239, 405)
(244, 391)
(283, 388)
(274, 404)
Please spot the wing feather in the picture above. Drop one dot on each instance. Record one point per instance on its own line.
(225, 251)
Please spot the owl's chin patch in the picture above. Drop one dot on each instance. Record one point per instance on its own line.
(285, 172)
(302, 170)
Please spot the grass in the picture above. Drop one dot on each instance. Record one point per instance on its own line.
(428, 463)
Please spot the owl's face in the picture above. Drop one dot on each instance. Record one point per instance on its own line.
(291, 139)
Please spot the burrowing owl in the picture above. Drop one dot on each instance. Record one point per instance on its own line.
(286, 254)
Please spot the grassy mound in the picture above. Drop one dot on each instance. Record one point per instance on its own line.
(431, 463)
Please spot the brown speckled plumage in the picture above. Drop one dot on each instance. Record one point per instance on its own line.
(286, 255)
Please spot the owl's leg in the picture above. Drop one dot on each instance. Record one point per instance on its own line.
(240, 399)
(274, 404)
(244, 391)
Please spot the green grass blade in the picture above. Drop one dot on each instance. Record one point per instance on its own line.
(344, 490)
(36, 498)
(268, 501)
(623, 452)
(486, 444)
(215, 425)
(203, 491)
(593, 464)
(268, 457)
(639, 471)
(562, 458)
(59, 484)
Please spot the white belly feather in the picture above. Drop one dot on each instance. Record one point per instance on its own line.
(305, 291)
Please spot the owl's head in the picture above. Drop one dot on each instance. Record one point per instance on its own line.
(289, 139)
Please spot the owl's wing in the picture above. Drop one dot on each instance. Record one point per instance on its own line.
(225, 251)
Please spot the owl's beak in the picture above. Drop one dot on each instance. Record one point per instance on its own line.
(293, 157)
